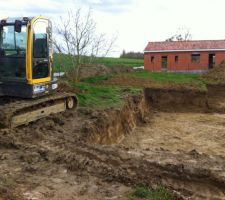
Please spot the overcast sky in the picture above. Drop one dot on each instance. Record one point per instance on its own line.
(134, 21)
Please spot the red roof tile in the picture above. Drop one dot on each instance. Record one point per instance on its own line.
(186, 45)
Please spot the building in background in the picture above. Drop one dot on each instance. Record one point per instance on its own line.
(184, 56)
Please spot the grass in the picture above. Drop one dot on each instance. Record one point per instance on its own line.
(120, 61)
(96, 95)
(62, 62)
(100, 96)
(95, 79)
(164, 76)
(145, 192)
(161, 77)
(176, 78)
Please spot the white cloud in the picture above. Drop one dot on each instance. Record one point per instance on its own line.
(113, 6)
(135, 21)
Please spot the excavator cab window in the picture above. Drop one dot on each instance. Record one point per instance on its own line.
(13, 52)
(40, 50)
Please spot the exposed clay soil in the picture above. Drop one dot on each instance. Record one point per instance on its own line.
(92, 154)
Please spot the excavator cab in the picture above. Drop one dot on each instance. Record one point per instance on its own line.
(26, 57)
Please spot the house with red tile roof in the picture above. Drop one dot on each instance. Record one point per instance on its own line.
(184, 56)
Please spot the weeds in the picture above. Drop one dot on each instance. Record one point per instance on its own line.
(144, 192)
(95, 79)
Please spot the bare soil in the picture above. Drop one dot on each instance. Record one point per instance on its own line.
(202, 133)
(91, 154)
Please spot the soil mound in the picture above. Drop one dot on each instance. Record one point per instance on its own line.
(216, 75)
(120, 69)
(64, 86)
(90, 70)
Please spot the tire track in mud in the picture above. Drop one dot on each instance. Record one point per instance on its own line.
(189, 176)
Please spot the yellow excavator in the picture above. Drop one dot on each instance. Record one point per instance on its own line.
(28, 90)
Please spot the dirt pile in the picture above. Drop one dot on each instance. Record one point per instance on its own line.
(101, 70)
(187, 100)
(64, 86)
(215, 75)
(119, 68)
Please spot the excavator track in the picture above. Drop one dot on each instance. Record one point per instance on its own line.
(16, 112)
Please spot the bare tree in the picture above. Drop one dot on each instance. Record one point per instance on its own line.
(78, 38)
(182, 34)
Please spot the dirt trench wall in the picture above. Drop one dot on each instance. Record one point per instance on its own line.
(187, 100)
(216, 98)
(176, 100)
(111, 125)
(216, 90)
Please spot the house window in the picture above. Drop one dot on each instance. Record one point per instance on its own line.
(176, 59)
(195, 57)
(152, 59)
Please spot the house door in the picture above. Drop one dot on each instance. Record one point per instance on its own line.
(164, 63)
(212, 60)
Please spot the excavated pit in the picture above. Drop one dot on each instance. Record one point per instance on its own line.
(52, 158)
(111, 126)
(185, 127)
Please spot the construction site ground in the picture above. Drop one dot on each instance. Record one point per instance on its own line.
(197, 132)
(164, 136)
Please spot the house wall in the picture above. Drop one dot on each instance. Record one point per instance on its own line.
(184, 61)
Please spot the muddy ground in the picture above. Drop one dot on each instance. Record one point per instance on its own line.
(158, 138)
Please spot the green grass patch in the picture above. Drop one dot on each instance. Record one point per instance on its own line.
(164, 76)
(176, 78)
(100, 97)
(62, 62)
(145, 192)
(97, 95)
(93, 93)
(120, 61)
(95, 79)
